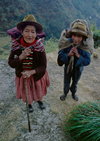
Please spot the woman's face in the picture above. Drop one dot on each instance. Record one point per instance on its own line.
(29, 34)
(76, 38)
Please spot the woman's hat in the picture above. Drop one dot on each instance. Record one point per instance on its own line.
(30, 20)
(80, 29)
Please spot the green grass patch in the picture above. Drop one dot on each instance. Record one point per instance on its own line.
(5, 45)
(83, 123)
(1, 51)
(51, 45)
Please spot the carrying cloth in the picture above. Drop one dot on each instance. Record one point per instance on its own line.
(16, 35)
(87, 44)
(38, 46)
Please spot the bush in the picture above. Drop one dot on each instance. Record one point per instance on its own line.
(1, 51)
(7, 47)
(83, 123)
(51, 45)
(96, 37)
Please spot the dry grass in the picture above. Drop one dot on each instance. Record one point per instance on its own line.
(8, 129)
(5, 45)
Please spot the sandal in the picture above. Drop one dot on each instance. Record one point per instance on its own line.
(63, 97)
(41, 105)
(30, 108)
(75, 97)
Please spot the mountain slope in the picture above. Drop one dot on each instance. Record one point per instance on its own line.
(53, 15)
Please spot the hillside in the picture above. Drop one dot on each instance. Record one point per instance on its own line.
(54, 15)
(46, 125)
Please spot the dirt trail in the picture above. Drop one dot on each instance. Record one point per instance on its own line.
(47, 124)
(88, 87)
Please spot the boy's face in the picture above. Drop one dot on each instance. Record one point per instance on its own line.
(76, 38)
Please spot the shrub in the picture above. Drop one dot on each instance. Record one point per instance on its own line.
(83, 123)
(51, 45)
(1, 51)
(7, 47)
(96, 37)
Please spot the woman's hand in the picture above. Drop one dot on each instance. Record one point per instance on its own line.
(75, 51)
(27, 74)
(25, 53)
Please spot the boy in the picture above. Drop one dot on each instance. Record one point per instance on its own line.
(75, 54)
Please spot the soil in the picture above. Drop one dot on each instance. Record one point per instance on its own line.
(45, 124)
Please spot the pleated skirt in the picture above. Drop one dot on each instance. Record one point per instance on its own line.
(35, 90)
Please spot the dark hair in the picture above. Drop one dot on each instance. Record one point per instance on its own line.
(74, 33)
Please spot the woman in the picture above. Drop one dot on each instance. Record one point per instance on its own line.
(28, 57)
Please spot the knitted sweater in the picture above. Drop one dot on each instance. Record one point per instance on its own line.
(39, 62)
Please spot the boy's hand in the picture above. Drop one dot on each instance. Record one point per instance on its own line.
(71, 53)
(75, 51)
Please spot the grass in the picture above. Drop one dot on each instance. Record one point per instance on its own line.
(8, 131)
(83, 122)
(5, 46)
(51, 45)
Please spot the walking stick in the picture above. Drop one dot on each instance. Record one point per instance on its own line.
(27, 105)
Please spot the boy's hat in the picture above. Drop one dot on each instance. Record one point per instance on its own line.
(30, 20)
(80, 29)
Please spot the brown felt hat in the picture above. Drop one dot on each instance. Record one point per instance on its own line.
(80, 29)
(30, 20)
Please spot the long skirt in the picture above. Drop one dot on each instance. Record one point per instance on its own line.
(36, 90)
